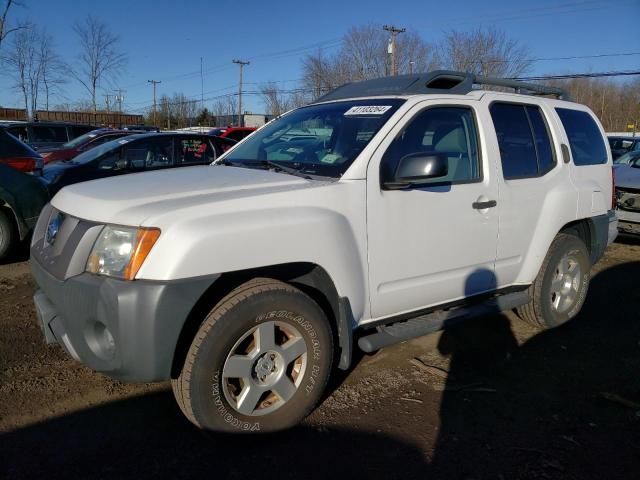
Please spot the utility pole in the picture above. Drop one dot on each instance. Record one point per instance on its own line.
(392, 46)
(107, 100)
(154, 83)
(119, 97)
(411, 64)
(201, 87)
(242, 64)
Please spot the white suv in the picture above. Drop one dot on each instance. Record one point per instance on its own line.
(386, 210)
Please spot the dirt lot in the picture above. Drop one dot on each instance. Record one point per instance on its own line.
(489, 399)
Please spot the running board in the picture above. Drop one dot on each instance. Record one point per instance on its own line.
(432, 322)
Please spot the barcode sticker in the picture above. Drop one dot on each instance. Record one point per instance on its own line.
(368, 110)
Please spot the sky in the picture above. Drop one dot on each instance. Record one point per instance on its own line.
(165, 40)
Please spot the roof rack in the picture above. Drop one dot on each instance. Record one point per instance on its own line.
(438, 81)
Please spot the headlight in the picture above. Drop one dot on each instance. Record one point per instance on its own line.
(120, 251)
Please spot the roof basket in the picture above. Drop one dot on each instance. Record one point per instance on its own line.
(439, 81)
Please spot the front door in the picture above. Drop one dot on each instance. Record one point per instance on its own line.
(436, 243)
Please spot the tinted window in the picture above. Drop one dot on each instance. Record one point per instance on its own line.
(42, 134)
(78, 130)
(194, 151)
(150, 154)
(523, 138)
(544, 150)
(103, 139)
(20, 133)
(449, 130)
(10, 146)
(585, 139)
(238, 135)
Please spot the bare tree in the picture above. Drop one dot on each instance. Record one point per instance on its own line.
(363, 55)
(23, 66)
(100, 58)
(274, 101)
(4, 26)
(51, 68)
(486, 52)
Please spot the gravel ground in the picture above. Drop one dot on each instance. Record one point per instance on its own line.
(492, 398)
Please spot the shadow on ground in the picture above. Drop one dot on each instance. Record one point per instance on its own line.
(146, 437)
(565, 404)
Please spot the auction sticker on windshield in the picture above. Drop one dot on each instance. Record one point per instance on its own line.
(368, 110)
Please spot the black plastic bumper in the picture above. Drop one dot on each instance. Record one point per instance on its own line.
(125, 329)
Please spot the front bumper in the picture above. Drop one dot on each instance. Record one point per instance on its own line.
(629, 222)
(126, 329)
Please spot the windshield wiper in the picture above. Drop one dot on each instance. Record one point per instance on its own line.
(281, 168)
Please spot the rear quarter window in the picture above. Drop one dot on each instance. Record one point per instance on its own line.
(585, 140)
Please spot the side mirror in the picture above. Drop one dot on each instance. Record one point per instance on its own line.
(416, 169)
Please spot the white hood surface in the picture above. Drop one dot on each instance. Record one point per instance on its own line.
(132, 198)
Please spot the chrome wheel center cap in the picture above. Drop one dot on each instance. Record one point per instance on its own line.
(267, 367)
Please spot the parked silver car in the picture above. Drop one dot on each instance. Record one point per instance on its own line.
(628, 195)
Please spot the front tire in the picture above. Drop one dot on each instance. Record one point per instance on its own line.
(560, 289)
(8, 235)
(259, 362)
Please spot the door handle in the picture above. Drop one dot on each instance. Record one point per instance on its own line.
(483, 205)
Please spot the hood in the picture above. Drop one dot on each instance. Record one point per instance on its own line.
(627, 176)
(130, 199)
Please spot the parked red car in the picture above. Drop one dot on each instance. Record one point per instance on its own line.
(82, 143)
(17, 154)
(234, 133)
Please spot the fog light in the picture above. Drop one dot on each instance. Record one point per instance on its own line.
(101, 341)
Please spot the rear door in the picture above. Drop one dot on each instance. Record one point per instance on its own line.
(536, 194)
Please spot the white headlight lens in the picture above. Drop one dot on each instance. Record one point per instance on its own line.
(112, 251)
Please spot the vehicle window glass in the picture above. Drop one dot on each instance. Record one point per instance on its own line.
(49, 134)
(10, 146)
(237, 135)
(194, 151)
(544, 149)
(20, 133)
(448, 130)
(110, 160)
(78, 130)
(150, 154)
(515, 139)
(585, 139)
(103, 139)
(321, 140)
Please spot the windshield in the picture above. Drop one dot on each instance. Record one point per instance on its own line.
(319, 140)
(80, 140)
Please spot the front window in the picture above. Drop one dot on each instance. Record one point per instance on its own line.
(319, 140)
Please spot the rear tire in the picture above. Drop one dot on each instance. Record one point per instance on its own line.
(8, 235)
(259, 362)
(560, 289)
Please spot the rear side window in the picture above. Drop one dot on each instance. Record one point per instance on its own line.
(49, 134)
(523, 138)
(585, 139)
(194, 151)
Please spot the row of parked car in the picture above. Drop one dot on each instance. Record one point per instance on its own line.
(29, 177)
